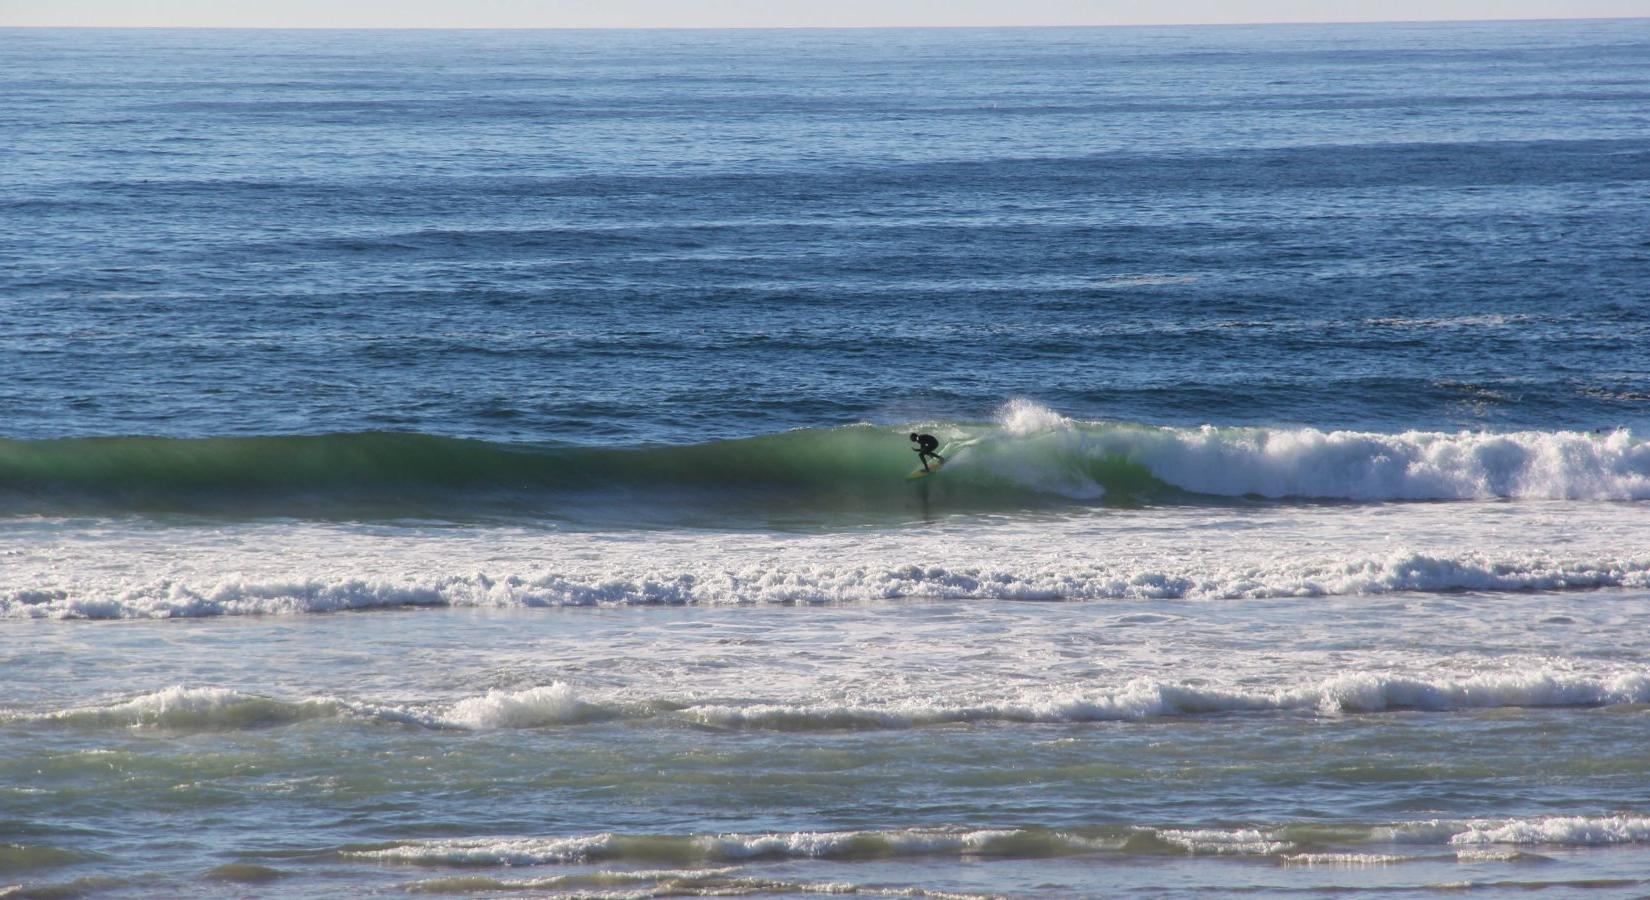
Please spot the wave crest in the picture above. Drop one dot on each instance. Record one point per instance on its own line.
(1287, 845)
(561, 704)
(1029, 455)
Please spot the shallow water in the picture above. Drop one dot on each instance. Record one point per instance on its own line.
(969, 747)
(474, 463)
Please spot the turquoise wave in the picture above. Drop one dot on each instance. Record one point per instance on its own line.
(1029, 457)
(854, 467)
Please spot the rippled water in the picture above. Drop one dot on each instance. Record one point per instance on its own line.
(475, 463)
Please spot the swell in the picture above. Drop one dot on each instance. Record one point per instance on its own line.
(1028, 456)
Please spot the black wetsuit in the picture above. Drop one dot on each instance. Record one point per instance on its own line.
(926, 445)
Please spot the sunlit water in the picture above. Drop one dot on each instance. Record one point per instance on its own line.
(475, 463)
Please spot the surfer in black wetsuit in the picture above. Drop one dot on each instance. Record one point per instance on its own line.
(926, 444)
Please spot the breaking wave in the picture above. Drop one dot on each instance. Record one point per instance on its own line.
(1028, 455)
(559, 704)
(819, 582)
(1285, 845)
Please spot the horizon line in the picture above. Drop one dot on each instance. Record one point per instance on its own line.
(1230, 24)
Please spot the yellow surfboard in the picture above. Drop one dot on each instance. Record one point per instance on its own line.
(933, 467)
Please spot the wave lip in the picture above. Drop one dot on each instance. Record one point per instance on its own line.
(536, 707)
(191, 708)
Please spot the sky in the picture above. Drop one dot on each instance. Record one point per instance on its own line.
(773, 13)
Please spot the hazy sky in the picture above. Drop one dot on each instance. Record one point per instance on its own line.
(734, 13)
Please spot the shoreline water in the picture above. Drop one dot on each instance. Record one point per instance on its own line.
(1329, 794)
(512, 498)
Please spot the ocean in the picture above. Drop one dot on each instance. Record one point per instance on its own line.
(475, 463)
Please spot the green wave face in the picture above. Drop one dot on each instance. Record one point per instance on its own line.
(1030, 459)
(852, 469)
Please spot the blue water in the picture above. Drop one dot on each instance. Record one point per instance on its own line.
(484, 456)
(612, 238)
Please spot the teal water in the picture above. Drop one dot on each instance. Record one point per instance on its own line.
(474, 463)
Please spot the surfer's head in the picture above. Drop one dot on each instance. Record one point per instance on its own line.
(913, 435)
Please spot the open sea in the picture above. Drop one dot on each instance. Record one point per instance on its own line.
(474, 463)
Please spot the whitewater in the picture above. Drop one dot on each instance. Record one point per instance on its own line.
(1029, 456)
(475, 463)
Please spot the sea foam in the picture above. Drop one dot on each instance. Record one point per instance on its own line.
(850, 581)
(1044, 450)
(563, 705)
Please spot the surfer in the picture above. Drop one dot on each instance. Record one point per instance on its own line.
(926, 444)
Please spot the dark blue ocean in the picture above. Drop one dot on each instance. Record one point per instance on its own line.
(624, 237)
(482, 457)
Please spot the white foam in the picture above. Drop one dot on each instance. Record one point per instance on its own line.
(580, 882)
(1565, 830)
(1370, 692)
(494, 851)
(1584, 831)
(1212, 841)
(561, 704)
(532, 708)
(1023, 417)
(715, 848)
(1143, 698)
(180, 706)
(651, 883)
(1496, 855)
(1042, 449)
(172, 599)
(81, 570)
(1343, 860)
(820, 581)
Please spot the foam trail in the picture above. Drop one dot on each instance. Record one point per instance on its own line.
(850, 581)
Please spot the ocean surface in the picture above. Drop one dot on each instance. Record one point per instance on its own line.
(475, 463)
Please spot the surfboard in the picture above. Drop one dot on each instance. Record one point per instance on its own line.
(933, 467)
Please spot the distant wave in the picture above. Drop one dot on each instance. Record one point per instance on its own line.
(768, 581)
(1028, 456)
(561, 705)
